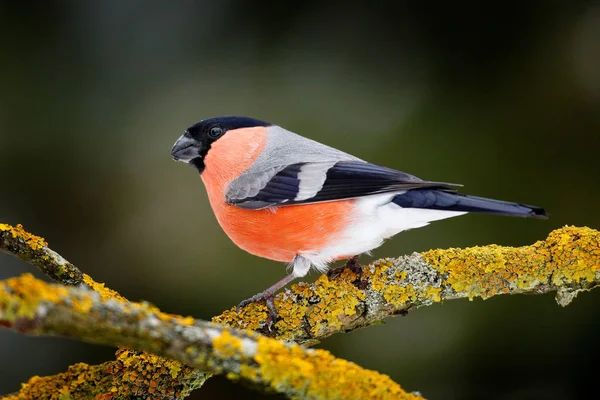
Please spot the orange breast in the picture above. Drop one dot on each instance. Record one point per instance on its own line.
(282, 233)
(277, 234)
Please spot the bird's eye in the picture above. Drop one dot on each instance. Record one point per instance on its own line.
(215, 132)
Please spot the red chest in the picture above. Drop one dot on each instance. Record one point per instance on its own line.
(277, 234)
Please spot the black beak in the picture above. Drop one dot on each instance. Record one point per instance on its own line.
(185, 149)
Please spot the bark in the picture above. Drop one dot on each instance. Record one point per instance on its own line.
(567, 262)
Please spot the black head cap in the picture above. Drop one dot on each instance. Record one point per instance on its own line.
(193, 146)
(203, 127)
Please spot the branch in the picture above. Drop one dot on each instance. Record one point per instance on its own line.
(132, 373)
(32, 306)
(34, 250)
(568, 262)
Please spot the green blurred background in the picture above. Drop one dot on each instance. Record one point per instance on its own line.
(502, 97)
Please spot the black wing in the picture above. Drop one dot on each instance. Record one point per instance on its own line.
(305, 183)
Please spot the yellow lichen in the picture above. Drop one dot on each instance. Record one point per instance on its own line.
(433, 293)
(398, 295)
(249, 317)
(83, 302)
(395, 287)
(330, 302)
(227, 346)
(334, 300)
(153, 376)
(131, 374)
(249, 372)
(105, 293)
(376, 274)
(291, 313)
(568, 255)
(109, 294)
(310, 374)
(187, 321)
(33, 241)
(22, 296)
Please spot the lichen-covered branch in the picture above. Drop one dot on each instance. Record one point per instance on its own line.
(34, 250)
(568, 262)
(32, 306)
(131, 374)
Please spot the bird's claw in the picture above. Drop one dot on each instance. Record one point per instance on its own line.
(269, 299)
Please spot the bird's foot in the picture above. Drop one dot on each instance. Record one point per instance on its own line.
(269, 298)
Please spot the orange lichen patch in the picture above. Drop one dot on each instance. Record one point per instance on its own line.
(568, 255)
(105, 293)
(78, 382)
(227, 346)
(132, 374)
(33, 241)
(145, 374)
(311, 374)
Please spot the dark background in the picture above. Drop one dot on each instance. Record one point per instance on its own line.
(502, 97)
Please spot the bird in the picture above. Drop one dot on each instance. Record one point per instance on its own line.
(288, 198)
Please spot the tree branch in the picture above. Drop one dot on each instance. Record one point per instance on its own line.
(34, 250)
(568, 261)
(31, 306)
(132, 373)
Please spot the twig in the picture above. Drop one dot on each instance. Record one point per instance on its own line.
(34, 250)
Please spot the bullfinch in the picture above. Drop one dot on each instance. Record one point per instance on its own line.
(287, 198)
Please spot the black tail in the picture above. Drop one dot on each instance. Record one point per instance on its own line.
(450, 201)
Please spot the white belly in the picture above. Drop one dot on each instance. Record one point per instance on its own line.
(377, 219)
